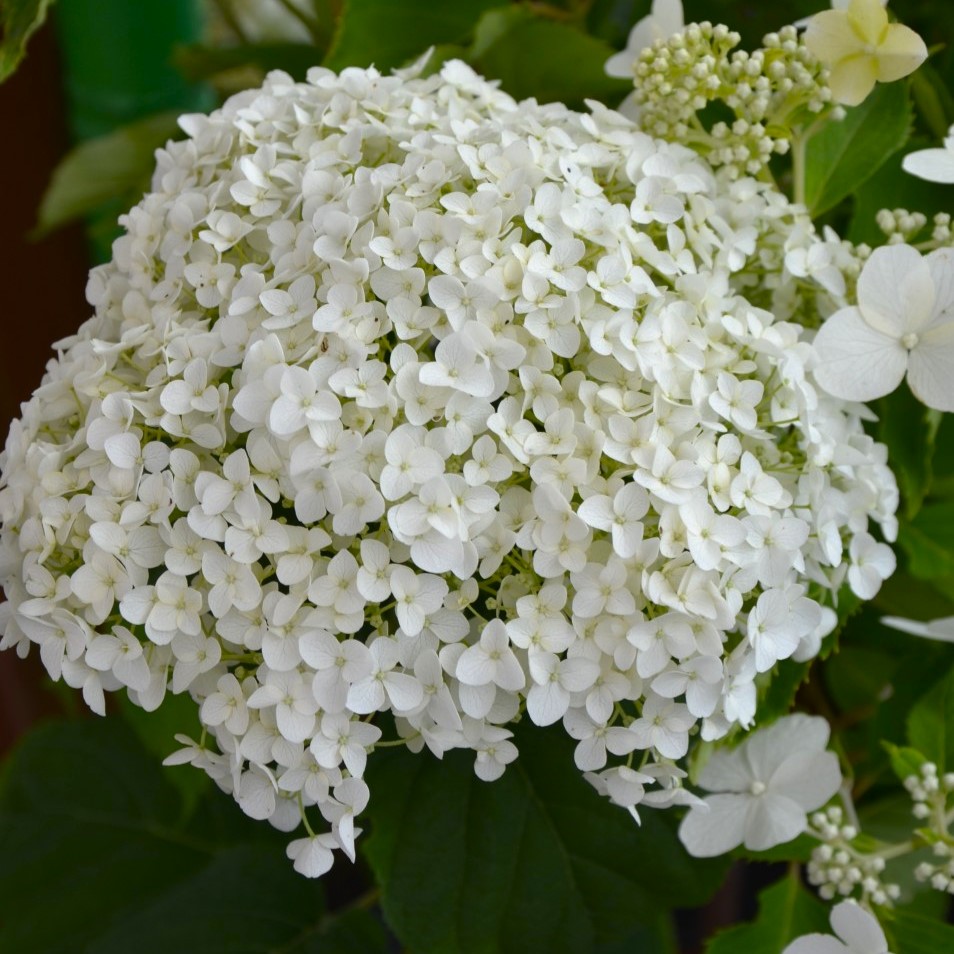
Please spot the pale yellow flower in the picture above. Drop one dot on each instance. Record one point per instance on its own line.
(862, 47)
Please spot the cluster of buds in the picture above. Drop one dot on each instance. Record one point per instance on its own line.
(900, 225)
(769, 90)
(838, 867)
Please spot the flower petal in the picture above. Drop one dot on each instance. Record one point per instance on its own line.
(773, 820)
(855, 361)
(941, 266)
(901, 52)
(931, 367)
(858, 928)
(767, 749)
(727, 771)
(706, 834)
(853, 78)
(830, 37)
(935, 165)
(816, 944)
(895, 291)
(808, 778)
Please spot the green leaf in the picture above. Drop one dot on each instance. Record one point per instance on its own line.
(798, 849)
(786, 910)
(858, 676)
(905, 761)
(388, 34)
(779, 692)
(157, 730)
(915, 934)
(931, 724)
(928, 540)
(104, 169)
(904, 426)
(891, 187)
(198, 62)
(544, 59)
(535, 861)
(90, 824)
(19, 19)
(904, 595)
(844, 154)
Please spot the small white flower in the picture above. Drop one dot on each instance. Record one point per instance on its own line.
(903, 325)
(764, 788)
(861, 47)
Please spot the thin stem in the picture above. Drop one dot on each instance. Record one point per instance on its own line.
(799, 142)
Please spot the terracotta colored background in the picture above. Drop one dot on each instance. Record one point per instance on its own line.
(43, 298)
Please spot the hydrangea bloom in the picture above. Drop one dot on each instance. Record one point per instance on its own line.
(862, 47)
(903, 326)
(402, 397)
(764, 788)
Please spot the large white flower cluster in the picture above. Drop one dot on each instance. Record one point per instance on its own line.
(402, 397)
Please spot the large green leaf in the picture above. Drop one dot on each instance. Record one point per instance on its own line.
(931, 724)
(915, 934)
(18, 20)
(113, 167)
(844, 154)
(96, 860)
(545, 59)
(786, 910)
(535, 861)
(928, 540)
(388, 34)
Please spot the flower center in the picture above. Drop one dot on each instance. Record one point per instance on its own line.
(910, 340)
(757, 788)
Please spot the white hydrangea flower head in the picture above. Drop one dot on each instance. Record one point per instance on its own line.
(403, 397)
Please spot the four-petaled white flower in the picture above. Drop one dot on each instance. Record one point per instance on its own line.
(861, 47)
(902, 325)
(764, 788)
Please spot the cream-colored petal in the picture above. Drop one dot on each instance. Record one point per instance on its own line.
(868, 20)
(853, 78)
(856, 362)
(830, 37)
(901, 52)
